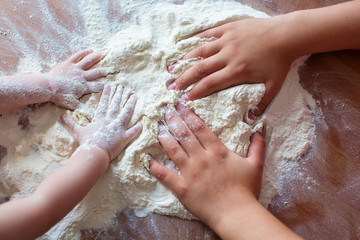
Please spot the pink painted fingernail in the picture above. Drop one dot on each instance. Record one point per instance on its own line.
(166, 109)
(180, 106)
(172, 86)
(253, 114)
(184, 97)
(171, 66)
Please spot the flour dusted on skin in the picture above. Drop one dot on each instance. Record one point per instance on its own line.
(157, 34)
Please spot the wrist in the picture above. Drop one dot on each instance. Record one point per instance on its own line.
(286, 37)
(234, 207)
(95, 153)
(233, 220)
(49, 88)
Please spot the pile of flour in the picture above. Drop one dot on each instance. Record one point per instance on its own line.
(156, 34)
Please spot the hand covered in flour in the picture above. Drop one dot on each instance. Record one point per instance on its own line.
(109, 128)
(212, 178)
(215, 184)
(72, 79)
(245, 51)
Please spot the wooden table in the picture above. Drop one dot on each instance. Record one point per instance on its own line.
(324, 201)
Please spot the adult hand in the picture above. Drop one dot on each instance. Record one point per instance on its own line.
(212, 178)
(72, 79)
(245, 51)
(109, 128)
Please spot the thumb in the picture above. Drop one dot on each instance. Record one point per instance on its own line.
(270, 92)
(256, 151)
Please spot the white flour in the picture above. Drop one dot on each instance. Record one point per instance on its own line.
(157, 34)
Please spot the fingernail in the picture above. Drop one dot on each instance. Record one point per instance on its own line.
(180, 106)
(172, 86)
(253, 113)
(166, 109)
(150, 161)
(184, 97)
(171, 67)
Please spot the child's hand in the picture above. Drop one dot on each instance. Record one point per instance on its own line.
(109, 129)
(212, 178)
(245, 51)
(70, 79)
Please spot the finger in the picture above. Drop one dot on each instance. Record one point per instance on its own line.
(167, 177)
(216, 32)
(68, 102)
(90, 60)
(172, 147)
(271, 91)
(94, 74)
(210, 84)
(70, 123)
(94, 87)
(116, 101)
(103, 103)
(197, 72)
(78, 56)
(181, 131)
(127, 111)
(132, 132)
(202, 132)
(204, 51)
(256, 151)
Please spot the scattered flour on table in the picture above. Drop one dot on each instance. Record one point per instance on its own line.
(156, 34)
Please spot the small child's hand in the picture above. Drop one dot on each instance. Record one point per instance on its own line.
(245, 51)
(70, 79)
(212, 178)
(109, 128)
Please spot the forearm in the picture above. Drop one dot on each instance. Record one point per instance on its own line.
(22, 90)
(320, 30)
(64, 189)
(250, 221)
(55, 196)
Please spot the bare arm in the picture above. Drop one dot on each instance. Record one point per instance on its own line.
(262, 50)
(100, 141)
(32, 216)
(63, 85)
(215, 184)
(320, 30)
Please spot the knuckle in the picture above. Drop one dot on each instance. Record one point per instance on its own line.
(202, 50)
(179, 159)
(208, 83)
(200, 68)
(182, 191)
(184, 134)
(162, 175)
(203, 163)
(171, 116)
(173, 150)
(198, 126)
(221, 152)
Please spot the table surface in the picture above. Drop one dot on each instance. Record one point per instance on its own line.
(329, 209)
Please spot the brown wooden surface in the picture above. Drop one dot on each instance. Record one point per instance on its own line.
(323, 201)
